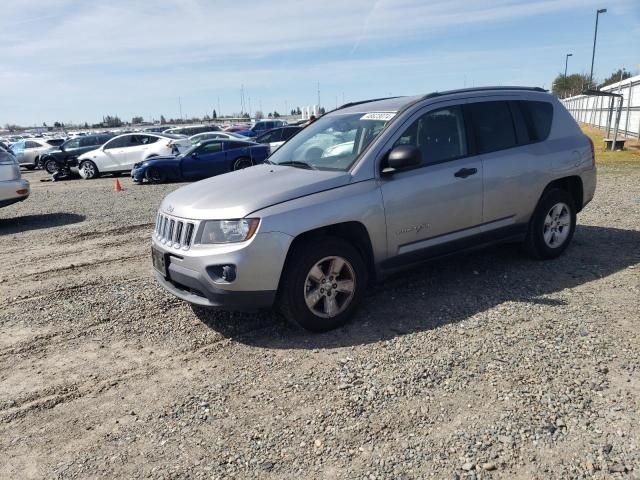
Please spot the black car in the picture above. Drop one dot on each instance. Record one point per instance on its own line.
(278, 135)
(66, 155)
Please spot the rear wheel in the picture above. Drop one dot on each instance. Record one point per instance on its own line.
(552, 225)
(242, 162)
(154, 175)
(323, 284)
(88, 170)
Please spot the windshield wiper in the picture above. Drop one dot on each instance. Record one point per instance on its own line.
(296, 163)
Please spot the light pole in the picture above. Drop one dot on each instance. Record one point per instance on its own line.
(595, 36)
(566, 62)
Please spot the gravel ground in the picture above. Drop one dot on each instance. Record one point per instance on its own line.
(486, 365)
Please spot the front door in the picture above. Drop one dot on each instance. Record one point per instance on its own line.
(205, 161)
(440, 200)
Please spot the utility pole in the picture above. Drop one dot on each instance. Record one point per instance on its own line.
(180, 104)
(219, 112)
(595, 36)
(318, 95)
(566, 62)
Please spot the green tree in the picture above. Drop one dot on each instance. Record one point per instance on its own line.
(57, 124)
(163, 120)
(135, 120)
(276, 114)
(215, 114)
(617, 76)
(259, 115)
(573, 84)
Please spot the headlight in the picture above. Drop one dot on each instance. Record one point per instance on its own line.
(228, 231)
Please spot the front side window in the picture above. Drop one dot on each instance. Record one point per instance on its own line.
(213, 147)
(119, 142)
(73, 143)
(493, 126)
(332, 142)
(439, 135)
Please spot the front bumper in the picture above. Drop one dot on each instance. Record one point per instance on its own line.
(137, 175)
(258, 265)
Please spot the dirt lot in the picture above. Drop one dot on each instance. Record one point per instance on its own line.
(488, 365)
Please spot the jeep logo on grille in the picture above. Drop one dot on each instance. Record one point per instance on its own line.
(169, 209)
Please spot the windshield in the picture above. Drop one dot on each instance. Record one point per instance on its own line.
(333, 142)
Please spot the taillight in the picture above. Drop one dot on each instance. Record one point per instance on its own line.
(593, 152)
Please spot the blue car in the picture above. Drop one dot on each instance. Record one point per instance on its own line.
(206, 159)
(262, 126)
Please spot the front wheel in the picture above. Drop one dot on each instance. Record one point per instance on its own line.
(154, 175)
(51, 166)
(88, 170)
(241, 163)
(323, 285)
(552, 225)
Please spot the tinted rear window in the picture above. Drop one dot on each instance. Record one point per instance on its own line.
(538, 117)
(493, 126)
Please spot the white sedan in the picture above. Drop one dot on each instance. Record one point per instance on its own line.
(200, 137)
(120, 153)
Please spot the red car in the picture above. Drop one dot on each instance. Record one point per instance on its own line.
(236, 128)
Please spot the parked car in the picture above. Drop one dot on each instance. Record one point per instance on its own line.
(13, 188)
(427, 176)
(200, 137)
(206, 159)
(120, 153)
(236, 128)
(66, 155)
(262, 126)
(29, 151)
(276, 137)
(192, 129)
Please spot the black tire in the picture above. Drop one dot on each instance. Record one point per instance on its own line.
(50, 166)
(154, 175)
(88, 170)
(535, 243)
(296, 285)
(241, 163)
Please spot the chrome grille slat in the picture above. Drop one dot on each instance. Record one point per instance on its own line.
(174, 232)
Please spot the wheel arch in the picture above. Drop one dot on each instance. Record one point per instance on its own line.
(573, 186)
(353, 232)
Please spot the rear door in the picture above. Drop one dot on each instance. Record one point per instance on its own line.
(511, 162)
(439, 202)
(206, 161)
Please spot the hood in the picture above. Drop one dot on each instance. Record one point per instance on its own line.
(237, 194)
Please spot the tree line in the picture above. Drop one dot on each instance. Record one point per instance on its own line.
(577, 83)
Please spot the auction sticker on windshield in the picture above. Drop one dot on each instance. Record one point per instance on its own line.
(386, 116)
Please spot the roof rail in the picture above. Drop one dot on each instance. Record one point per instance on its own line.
(351, 104)
(483, 89)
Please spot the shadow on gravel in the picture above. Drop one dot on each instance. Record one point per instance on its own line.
(448, 291)
(37, 222)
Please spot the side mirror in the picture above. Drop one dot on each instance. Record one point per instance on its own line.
(401, 157)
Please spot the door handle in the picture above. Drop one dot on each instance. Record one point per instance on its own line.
(465, 172)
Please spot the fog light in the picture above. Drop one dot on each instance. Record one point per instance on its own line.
(225, 273)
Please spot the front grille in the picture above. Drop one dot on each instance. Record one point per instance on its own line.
(174, 232)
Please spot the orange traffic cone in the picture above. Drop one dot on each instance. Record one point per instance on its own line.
(117, 187)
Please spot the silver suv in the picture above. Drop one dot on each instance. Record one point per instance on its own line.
(371, 188)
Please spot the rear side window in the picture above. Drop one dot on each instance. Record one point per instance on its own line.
(493, 126)
(538, 117)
